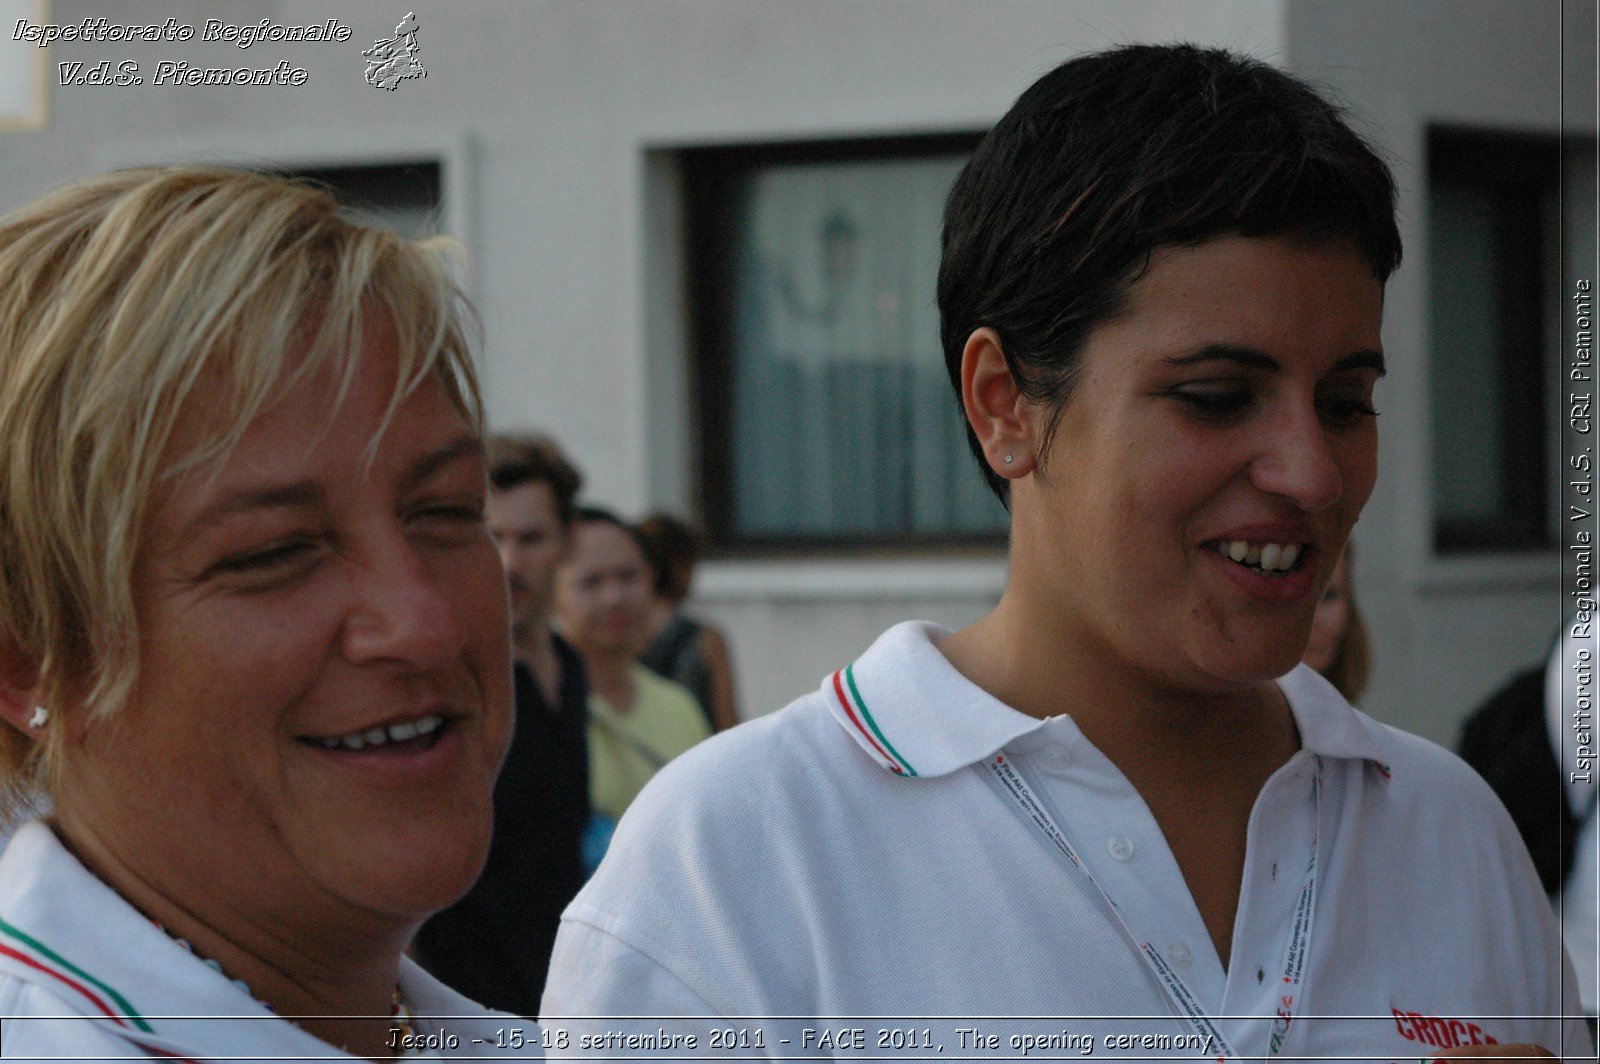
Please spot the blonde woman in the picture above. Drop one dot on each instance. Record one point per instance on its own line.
(253, 632)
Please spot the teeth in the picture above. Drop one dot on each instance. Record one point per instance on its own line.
(1268, 557)
(379, 736)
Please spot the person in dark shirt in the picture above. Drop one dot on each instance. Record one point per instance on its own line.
(494, 944)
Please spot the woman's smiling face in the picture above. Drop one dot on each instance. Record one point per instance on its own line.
(324, 690)
(1203, 477)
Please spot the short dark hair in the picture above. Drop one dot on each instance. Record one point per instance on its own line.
(599, 515)
(1113, 155)
(532, 459)
(673, 547)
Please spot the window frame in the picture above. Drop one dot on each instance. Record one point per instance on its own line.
(1518, 170)
(710, 177)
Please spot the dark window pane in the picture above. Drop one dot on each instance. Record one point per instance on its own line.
(403, 196)
(1491, 255)
(827, 412)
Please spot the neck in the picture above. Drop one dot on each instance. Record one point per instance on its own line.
(611, 677)
(661, 611)
(530, 637)
(533, 643)
(1156, 733)
(340, 976)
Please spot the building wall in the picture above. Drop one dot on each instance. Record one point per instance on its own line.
(1447, 630)
(558, 122)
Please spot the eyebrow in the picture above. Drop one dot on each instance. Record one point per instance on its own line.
(307, 495)
(464, 446)
(300, 496)
(1251, 358)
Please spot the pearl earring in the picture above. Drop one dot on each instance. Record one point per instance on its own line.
(41, 717)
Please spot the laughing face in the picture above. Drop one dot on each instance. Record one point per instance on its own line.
(324, 692)
(1208, 468)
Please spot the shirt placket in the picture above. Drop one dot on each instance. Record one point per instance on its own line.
(1124, 850)
(1281, 836)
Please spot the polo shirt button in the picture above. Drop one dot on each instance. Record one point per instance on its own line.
(1120, 847)
(1179, 952)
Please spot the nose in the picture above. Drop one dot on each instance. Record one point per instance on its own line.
(402, 613)
(1298, 462)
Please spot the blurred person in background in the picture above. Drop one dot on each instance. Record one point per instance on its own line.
(1117, 795)
(253, 632)
(1516, 740)
(638, 721)
(1339, 647)
(682, 648)
(494, 944)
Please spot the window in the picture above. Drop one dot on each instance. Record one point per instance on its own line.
(826, 414)
(1495, 236)
(405, 197)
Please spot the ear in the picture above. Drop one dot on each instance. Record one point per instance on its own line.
(996, 408)
(19, 688)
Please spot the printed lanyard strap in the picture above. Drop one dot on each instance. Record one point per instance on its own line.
(1178, 992)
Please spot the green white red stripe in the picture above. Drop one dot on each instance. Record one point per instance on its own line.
(36, 955)
(855, 708)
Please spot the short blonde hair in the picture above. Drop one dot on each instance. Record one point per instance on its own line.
(118, 296)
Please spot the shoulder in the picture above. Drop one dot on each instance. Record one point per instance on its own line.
(1428, 808)
(664, 696)
(1415, 772)
(765, 759)
(727, 805)
(712, 641)
(1423, 772)
(571, 660)
(724, 836)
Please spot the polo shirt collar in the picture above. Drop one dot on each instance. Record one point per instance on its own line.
(913, 713)
(909, 709)
(1329, 726)
(66, 930)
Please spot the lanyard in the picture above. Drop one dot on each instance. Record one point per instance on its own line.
(1178, 992)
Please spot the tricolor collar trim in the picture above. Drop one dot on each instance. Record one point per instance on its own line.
(36, 955)
(907, 707)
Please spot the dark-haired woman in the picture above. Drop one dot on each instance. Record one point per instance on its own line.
(1116, 798)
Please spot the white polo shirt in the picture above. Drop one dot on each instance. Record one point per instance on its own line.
(854, 857)
(85, 976)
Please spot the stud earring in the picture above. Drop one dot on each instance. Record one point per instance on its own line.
(1010, 459)
(41, 717)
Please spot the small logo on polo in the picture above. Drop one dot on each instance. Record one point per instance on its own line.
(392, 61)
(1440, 1031)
